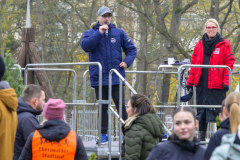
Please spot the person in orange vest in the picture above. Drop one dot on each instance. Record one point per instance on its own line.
(53, 139)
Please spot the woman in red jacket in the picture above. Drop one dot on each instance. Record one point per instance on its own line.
(211, 83)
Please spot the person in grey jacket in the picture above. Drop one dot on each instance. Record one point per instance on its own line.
(230, 146)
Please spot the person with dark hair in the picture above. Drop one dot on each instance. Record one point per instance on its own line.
(104, 43)
(53, 135)
(181, 145)
(230, 144)
(215, 140)
(141, 130)
(211, 83)
(30, 104)
(8, 116)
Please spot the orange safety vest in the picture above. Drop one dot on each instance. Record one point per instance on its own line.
(43, 149)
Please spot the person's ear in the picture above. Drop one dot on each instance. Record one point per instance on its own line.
(196, 124)
(225, 112)
(35, 101)
(135, 109)
(220, 116)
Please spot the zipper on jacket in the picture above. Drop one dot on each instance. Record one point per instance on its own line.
(210, 71)
(218, 64)
(106, 52)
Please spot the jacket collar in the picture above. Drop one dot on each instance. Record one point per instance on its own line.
(24, 107)
(54, 130)
(191, 146)
(96, 25)
(130, 120)
(218, 44)
(225, 124)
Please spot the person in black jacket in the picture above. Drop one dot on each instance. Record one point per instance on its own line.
(30, 104)
(181, 145)
(215, 140)
(54, 139)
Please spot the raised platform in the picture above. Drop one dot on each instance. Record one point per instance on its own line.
(101, 152)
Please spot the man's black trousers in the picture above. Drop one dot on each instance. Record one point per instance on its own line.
(115, 97)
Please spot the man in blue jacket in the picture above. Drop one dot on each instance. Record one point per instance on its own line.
(30, 104)
(104, 44)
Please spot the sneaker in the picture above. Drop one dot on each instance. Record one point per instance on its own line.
(104, 139)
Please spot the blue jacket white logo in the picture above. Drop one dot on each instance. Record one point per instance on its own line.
(108, 51)
(113, 40)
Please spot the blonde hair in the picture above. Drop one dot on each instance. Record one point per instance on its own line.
(214, 21)
(232, 106)
(44, 120)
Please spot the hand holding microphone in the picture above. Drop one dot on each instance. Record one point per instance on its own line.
(104, 28)
(106, 32)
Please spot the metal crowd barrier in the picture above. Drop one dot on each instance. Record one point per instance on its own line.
(237, 66)
(75, 102)
(121, 79)
(20, 69)
(58, 69)
(200, 66)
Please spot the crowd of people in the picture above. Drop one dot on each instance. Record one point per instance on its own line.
(22, 137)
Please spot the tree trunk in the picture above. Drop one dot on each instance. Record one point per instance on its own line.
(212, 8)
(28, 54)
(134, 76)
(174, 29)
(42, 33)
(216, 14)
(59, 74)
(41, 75)
(142, 61)
(28, 35)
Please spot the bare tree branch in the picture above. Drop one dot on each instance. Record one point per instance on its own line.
(187, 6)
(91, 12)
(226, 16)
(236, 44)
(79, 15)
(72, 50)
(230, 33)
(54, 12)
(159, 29)
(153, 60)
(160, 17)
(224, 7)
(123, 4)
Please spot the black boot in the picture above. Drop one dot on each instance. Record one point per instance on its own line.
(202, 135)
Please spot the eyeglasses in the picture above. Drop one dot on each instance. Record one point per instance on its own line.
(211, 27)
(107, 15)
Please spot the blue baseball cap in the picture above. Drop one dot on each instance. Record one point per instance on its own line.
(103, 10)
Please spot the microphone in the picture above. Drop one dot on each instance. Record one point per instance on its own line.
(106, 32)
